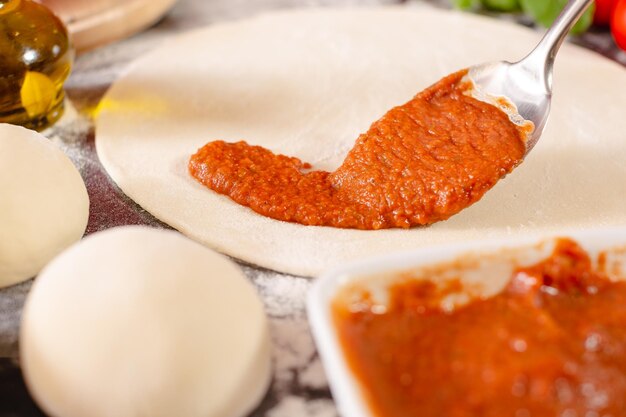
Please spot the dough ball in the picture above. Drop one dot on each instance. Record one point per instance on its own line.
(136, 321)
(44, 205)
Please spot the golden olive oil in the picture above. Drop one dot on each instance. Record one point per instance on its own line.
(35, 61)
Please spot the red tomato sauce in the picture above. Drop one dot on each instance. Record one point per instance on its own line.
(552, 343)
(420, 163)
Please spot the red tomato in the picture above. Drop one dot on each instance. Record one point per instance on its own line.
(618, 23)
(604, 9)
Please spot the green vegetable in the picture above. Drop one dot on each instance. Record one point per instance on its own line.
(502, 5)
(466, 4)
(545, 12)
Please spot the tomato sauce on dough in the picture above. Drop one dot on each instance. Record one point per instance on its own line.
(420, 163)
(552, 343)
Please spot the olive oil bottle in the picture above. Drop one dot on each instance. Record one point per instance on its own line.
(35, 61)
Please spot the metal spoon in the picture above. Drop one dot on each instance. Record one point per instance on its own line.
(528, 83)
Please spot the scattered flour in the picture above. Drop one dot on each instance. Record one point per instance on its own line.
(292, 406)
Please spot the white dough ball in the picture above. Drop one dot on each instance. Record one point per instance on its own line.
(136, 321)
(44, 205)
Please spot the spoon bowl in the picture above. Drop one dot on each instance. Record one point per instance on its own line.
(527, 84)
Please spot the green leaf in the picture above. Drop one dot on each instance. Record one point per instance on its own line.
(465, 4)
(585, 21)
(545, 12)
(502, 5)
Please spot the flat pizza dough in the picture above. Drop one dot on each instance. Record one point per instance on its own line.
(306, 83)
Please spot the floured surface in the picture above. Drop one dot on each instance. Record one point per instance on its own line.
(307, 83)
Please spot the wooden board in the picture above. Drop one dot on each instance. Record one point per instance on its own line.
(94, 23)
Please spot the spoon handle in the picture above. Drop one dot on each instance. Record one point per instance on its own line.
(545, 52)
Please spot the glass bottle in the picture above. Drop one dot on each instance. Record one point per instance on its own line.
(35, 60)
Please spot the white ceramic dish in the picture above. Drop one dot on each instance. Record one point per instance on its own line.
(345, 388)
